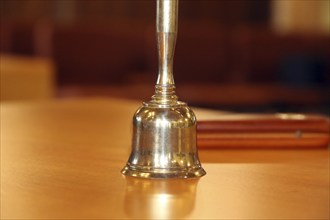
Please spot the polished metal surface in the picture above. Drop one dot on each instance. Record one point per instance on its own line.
(164, 129)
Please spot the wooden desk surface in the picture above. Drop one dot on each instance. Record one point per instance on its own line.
(62, 159)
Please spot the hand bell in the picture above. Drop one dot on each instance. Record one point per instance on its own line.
(164, 129)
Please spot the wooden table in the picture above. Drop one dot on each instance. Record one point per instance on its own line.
(62, 160)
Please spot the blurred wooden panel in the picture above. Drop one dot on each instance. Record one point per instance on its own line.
(226, 12)
(98, 54)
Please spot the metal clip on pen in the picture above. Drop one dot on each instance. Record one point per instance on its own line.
(164, 129)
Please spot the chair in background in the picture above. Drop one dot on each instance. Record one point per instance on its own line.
(26, 78)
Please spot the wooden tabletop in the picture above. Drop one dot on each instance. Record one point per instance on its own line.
(62, 159)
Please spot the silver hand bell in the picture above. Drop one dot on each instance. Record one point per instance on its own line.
(164, 129)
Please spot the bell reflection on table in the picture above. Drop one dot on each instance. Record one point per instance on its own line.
(159, 198)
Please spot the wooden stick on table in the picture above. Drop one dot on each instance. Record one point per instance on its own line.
(264, 131)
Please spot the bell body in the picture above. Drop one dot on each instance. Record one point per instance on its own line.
(164, 143)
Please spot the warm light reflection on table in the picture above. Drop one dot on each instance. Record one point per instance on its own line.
(161, 199)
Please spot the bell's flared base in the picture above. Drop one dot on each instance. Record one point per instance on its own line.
(162, 173)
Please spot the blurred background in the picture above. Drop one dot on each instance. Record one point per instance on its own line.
(242, 55)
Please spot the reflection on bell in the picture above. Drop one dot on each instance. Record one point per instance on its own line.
(164, 129)
(159, 198)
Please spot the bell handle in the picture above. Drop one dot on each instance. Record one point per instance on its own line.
(167, 27)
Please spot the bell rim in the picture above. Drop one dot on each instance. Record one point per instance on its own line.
(152, 173)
